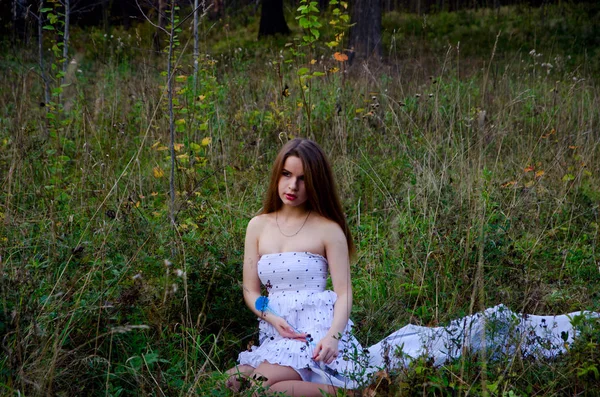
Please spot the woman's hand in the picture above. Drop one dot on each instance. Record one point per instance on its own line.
(285, 330)
(326, 350)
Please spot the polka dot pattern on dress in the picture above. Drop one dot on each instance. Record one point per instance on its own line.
(298, 294)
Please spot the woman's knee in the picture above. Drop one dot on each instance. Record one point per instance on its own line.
(237, 377)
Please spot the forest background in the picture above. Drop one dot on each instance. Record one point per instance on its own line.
(464, 138)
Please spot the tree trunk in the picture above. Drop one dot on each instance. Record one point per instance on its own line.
(217, 10)
(162, 22)
(196, 44)
(365, 33)
(272, 20)
(41, 52)
(171, 119)
(66, 36)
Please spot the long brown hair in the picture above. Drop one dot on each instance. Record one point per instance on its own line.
(318, 179)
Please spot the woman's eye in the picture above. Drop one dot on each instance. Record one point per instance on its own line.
(285, 173)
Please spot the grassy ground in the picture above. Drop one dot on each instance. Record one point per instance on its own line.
(467, 161)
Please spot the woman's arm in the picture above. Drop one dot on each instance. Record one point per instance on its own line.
(251, 281)
(336, 248)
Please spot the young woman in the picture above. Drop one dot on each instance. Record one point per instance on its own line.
(306, 347)
(300, 236)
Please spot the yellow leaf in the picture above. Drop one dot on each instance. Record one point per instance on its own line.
(177, 146)
(162, 148)
(313, 61)
(155, 145)
(181, 78)
(206, 141)
(183, 157)
(539, 173)
(158, 173)
(180, 122)
(153, 194)
(201, 97)
(508, 184)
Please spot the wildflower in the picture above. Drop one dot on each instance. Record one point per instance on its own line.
(179, 273)
(168, 263)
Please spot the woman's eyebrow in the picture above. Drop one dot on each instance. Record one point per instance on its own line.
(284, 170)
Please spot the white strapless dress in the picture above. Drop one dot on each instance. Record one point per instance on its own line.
(296, 282)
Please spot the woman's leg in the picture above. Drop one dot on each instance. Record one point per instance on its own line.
(267, 374)
(297, 388)
(235, 373)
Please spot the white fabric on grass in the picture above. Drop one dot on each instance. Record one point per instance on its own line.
(296, 285)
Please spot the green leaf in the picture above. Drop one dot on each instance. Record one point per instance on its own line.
(317, 74)
(48, 27)
(195, 147)
(303, 71)
(568, 177)
(315, 33)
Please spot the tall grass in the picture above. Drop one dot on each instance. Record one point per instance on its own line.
(469, 175)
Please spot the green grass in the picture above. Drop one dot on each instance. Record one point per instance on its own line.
(441, 152)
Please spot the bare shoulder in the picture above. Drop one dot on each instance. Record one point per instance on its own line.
(330, 231)
(258, 222)
(257, 225)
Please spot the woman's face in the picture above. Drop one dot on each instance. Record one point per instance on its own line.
(291, 188)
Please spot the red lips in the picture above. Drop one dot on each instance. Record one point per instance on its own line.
(290, 197)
